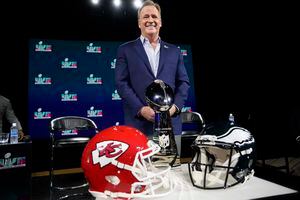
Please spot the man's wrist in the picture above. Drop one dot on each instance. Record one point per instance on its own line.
(177, 111)
(140, 112)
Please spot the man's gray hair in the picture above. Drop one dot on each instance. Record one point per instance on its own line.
(149, 3)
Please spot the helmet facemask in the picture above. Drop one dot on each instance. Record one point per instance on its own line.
(217, 164)
(151, 181)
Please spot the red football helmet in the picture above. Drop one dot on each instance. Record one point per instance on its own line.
(117, 164)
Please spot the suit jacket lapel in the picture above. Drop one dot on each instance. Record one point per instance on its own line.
(142, 53)
(163, 52)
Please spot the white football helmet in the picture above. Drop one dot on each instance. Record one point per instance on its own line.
(223, 157)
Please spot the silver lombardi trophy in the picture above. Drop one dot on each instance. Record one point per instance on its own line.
(160, 98)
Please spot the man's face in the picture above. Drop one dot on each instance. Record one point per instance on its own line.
(149, 21)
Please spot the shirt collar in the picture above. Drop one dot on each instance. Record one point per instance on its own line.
(144, 39)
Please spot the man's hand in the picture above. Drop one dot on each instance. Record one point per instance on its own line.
(21, 135)
(172, 110)
(148, 113)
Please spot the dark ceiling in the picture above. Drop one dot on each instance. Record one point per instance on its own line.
(79, 19)
(240, 44)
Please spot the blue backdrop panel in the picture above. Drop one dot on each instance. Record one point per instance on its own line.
(77, 78)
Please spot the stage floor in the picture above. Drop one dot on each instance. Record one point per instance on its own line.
(253, 189)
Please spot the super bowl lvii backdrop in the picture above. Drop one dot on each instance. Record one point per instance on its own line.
(77, 78)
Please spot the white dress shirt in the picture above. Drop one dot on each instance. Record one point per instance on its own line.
(152, 53)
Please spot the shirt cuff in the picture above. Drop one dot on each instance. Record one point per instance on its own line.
(177, 112)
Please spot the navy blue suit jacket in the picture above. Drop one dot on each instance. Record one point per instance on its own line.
(133, 74)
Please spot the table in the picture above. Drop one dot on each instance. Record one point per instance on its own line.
(15, 171)
(253, 189)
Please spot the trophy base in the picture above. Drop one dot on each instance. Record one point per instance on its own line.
(163, 159)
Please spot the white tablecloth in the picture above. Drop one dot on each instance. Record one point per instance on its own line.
(252, 189)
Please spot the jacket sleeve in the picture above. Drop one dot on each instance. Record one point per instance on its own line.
(10, 115)
(123, 84)
(182, 83)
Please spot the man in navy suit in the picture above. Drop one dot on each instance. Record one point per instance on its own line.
(143, 60)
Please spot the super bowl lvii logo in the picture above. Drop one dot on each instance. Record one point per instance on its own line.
(113, 63)
(40, 80)
(66, 63)
(70, 132)
(186, 109)
(93, 80)
(43, 47)
(92, 112)
(93, 49)
(66, 96)
(115, 95)
(39, 114)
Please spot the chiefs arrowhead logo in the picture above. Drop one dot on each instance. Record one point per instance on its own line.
(108, 151)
